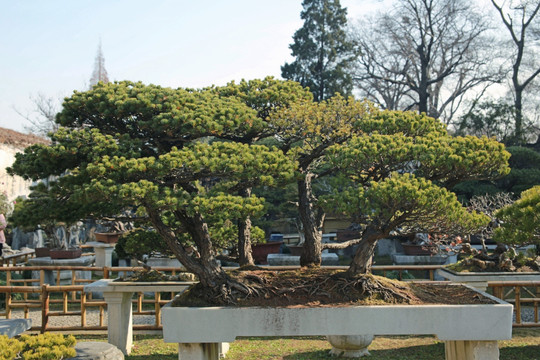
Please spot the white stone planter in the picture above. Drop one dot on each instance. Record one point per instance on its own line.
(479, 280)
(469, 330)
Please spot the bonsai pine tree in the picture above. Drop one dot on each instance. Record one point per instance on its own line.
(264, 97)
(129, 145)
(396, 177)
(306, 130)
(327, 137)
(520, 221)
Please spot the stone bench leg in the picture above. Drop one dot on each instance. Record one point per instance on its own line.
(203, 351)
(120, 320)
(472, 350)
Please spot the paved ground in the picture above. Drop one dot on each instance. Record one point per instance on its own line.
(92, 318)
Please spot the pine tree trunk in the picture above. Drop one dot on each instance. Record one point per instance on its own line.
(244, 236)
(206, 266)
(244, 242)
(312, 221)
(363, 258)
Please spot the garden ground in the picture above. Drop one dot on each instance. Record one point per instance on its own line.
(525, 345)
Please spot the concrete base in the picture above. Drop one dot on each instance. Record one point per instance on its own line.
(285, 259)
(476, 327)
(14, 327)
(97, 350)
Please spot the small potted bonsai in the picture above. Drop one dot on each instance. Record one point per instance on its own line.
(513, 225)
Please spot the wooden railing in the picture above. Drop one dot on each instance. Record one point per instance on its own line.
(71, 300)
(524, 295)
(18, 258)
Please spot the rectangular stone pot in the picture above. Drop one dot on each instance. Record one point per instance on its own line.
(479, 280)
(199, 331)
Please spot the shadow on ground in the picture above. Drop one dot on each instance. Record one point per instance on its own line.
(424, 352)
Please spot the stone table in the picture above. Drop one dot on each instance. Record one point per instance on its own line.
(118, 296)
(50, 277)
(103, 252)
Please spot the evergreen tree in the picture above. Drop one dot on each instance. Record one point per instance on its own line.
(323, 52)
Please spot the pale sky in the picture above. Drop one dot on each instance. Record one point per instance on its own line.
(49, 47)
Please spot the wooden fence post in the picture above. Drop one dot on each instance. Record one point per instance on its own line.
(44, 307)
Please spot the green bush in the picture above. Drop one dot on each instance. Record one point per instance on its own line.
(139, 242)
(47, 346)
(520, 222)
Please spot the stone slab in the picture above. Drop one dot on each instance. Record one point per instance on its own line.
(65, 275)
(97, 350)
(286, 260)
(447, 322)
(400, 259)
(14, 327)
(111, 286)
(488, 276)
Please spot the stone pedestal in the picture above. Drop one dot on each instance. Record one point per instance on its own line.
(119, 312)
(350, 346)
(103, 253)
(120, 320)
(65, 275)
(471, 350)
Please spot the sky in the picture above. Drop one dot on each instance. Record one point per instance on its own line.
(49, 47)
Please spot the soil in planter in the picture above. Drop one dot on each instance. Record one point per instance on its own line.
(322, 288)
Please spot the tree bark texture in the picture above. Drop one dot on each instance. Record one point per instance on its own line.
(363, 258)
(312, 220)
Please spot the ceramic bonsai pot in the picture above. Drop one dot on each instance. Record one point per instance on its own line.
(260, 251)
(109, 238)
(42, 252)
(65, 253)
(414, 249)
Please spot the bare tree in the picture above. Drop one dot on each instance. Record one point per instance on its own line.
(42, 117)
(424, 55)
(523, 25)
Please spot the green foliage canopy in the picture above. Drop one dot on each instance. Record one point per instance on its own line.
(397, 177)
(520, 221)
(166, 152)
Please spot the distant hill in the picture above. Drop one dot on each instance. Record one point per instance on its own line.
(19, 140)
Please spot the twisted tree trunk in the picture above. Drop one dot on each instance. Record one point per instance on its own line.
(312, 220)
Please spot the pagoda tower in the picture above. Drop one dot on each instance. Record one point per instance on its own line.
(99, 73)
